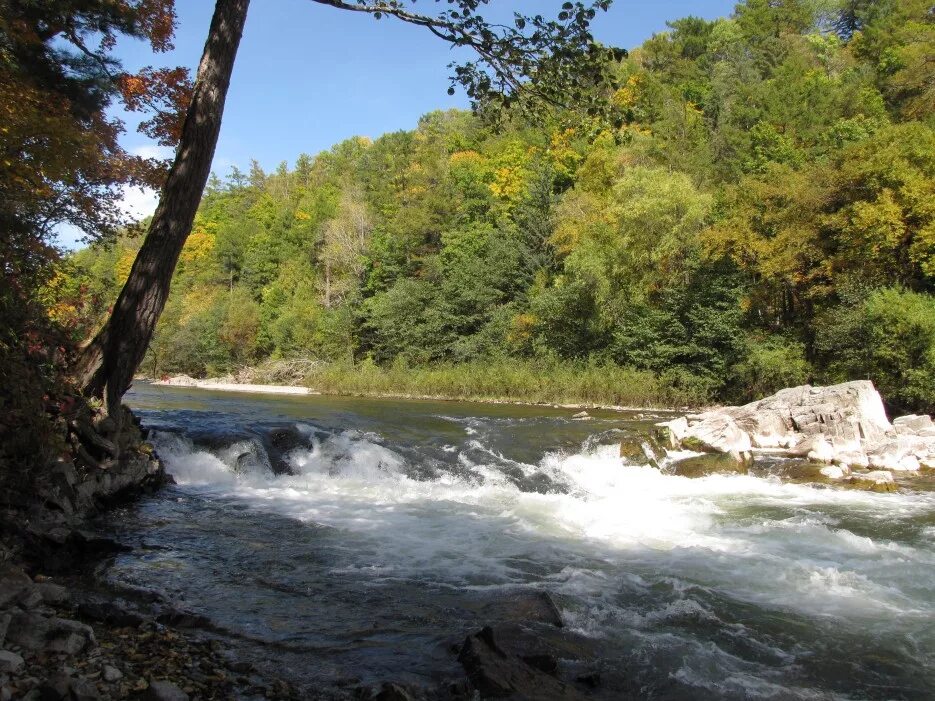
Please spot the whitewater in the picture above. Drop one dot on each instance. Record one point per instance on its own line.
(382, 533)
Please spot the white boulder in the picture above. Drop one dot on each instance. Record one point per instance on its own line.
(844, 425)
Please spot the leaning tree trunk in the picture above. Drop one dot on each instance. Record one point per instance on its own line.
(107, 364)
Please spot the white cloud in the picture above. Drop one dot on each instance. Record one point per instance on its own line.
(138, 202)
(153, 151)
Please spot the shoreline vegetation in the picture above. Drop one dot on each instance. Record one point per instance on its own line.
(566, 385)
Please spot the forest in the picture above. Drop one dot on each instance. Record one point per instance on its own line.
(753, 208)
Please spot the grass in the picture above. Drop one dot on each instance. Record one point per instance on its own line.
(509, 381)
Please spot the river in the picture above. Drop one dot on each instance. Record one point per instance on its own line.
(405, 522)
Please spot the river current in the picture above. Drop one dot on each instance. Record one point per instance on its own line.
(403, 523)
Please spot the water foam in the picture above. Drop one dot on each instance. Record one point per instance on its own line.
(616, 537)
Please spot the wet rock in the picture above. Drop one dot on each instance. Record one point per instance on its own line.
(55, 688)
(62, 687)
(390, 691)
(183, 619)
(53, 593)
(83, 690)
(161, 690)
(4, 625)
(111, 674)
(709, 464)
(875, 481)
(669, 433)
(15, 585)
(10, 662)
(497, 673)
(638, 452)
(592, 680)
(35, 632)
(526, 607)
(278, 443)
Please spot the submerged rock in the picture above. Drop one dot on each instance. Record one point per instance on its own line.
(524, 606)
(709, 464)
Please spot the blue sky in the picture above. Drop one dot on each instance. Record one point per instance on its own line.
(308, 76)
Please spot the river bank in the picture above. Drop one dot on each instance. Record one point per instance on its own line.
(565, 385)
(65, 634)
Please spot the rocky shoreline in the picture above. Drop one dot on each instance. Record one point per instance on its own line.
(62, 635)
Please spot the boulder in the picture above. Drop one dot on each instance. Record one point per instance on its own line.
(524, 606)
(716, 432)
(15, 586)
(834, 472)
(639, 452)
(389, 691)
(844, 425)
(36, 632)
(709, 464)
(53, 593)
(914, 424)
(161, 690)
(499, 673)
(10, 662)
(875, 481)
(904, 452)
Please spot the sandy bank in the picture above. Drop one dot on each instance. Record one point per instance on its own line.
(185, 381)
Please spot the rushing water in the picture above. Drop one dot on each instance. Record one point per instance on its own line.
(404, 520)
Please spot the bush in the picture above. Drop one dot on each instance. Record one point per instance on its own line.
(769, 365)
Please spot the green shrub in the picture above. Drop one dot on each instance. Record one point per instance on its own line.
(889, 338)
(769, 365)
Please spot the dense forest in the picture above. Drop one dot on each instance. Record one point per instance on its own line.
(754, 208)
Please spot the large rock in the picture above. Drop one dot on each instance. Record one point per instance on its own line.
(497, 672)
(10, 662)
(874, 481)
(843, 425)
(36, 632)
(717, 433)
(709, 464)
(161, 690)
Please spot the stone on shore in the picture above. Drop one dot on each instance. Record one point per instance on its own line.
(10, 662)
(33, 631)
(161, 690)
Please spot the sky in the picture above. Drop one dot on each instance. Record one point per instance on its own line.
(308, 76)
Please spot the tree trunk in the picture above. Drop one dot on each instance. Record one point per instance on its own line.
(107, 364)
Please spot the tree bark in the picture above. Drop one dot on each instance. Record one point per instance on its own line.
(107, 364)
